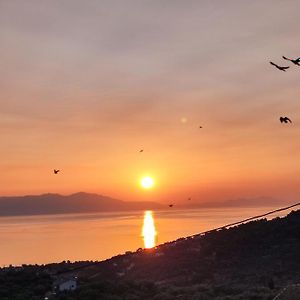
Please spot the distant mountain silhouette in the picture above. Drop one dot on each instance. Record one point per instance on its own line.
(60, 204)
(239, 202)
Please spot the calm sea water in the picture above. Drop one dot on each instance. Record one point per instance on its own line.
(54, 238)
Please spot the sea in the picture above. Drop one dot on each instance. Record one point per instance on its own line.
(43, 239)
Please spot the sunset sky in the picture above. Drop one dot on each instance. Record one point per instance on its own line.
(86, 84)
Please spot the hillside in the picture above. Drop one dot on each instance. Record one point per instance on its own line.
(250, 261)
(60, 204)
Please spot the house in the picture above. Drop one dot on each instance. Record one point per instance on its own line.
(64, 284)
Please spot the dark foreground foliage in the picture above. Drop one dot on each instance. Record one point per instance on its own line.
(248, 262)
(24, 283)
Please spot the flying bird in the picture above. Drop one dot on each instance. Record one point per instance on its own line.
(285, 120)
(200, 127)
(171, 205)
(279, 67)
(142, 150)
(294, 61)
(56, 171)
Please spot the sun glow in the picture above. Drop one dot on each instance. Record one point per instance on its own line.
(149, 232)
(147, 182)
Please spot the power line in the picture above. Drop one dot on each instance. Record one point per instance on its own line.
(246, 220)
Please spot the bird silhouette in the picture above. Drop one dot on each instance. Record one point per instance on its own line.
(200, 127)
(56, 171)
(189, 199)
(142, 150)
(279, 67)
(294, 61)
(285, 120)
(171, 205)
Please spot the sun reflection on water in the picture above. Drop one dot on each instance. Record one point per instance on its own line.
(149, 232)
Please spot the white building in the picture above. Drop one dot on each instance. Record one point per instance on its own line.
(66, 285)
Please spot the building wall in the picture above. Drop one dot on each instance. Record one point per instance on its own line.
(69, 285)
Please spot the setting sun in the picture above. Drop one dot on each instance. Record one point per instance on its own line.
(147, 182)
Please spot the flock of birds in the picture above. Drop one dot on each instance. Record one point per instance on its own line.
(285, 120)
(295, 61)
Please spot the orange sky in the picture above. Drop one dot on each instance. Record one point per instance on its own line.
(86, 85)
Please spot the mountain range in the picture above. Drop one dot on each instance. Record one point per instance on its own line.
(75, 203)
(81, 202)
